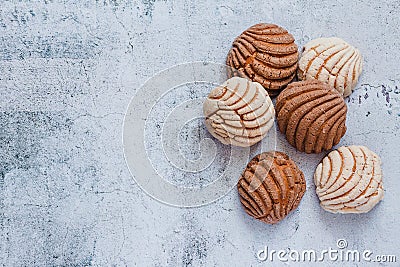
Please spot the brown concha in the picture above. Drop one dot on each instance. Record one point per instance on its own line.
(265, 53)
(271, 187)
(312, 114)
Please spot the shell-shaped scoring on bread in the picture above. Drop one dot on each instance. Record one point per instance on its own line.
(265, 53)
(271, 187)
(349, 180)
(333, 61)
(239, 112)
(312, 114)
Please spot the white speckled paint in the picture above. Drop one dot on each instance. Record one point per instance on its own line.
(67, 74)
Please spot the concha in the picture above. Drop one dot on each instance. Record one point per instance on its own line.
(239, 112)
(312, 115)
(271, 187)
(333, 61)
(267, 54)
(349, 180)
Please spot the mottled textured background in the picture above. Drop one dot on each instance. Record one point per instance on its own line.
(67, 74)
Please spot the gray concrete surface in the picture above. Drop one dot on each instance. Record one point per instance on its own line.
(67, 74)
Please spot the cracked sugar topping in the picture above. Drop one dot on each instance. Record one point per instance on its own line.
(349, 180)
(312, 115)
(239, 112)
(333, 61)
(271, 187)
(267, 54)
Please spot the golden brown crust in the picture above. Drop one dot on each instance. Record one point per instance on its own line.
(271, 187)
(312, 114)
(265, 53)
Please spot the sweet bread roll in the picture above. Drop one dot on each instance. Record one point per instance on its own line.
(312, 115)
(239, 112)
(271, 187)
(267, 54)
(333, 61)
(349, 180)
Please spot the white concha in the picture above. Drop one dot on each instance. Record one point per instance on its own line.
(239, 112)
(349, 180)
(333, 61)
